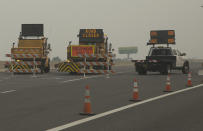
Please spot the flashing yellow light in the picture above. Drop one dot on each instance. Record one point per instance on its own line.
(18, 60)
(171, 33)
(153, 41)
(153, 33)
(171, 41)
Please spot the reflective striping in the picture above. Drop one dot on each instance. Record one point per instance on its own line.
(23, 63)
(74, 67)
(87, 100)
(68, 67)
(23, 67)
(153, 61)
(96, 55)
(26, 50)
(95, 63)
(135, 85)
(135, 89)
(98, 71)
(25, 70)
(23, 55)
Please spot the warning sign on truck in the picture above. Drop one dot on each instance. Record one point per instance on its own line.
(162, 37)
(82, 49)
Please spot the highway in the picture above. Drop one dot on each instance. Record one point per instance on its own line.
(54, 101)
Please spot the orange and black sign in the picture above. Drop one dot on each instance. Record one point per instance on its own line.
(162, 37)
(82, 49)
(91, 35)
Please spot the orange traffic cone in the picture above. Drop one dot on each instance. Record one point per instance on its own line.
(189, 81)
(168, 84)
(87, 105)
(135, 92)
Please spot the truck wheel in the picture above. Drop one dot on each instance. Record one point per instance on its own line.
(185, 68)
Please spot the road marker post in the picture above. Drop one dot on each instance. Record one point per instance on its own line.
(34, 69)
(87, 104)
(189, 81)
(135, 97)
(108, 64)
(12, 73)
(168, 84)
(85, 60)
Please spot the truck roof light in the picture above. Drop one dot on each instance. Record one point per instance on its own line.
(171, 33)
(153, 41)
(171, 41)
(153, 33)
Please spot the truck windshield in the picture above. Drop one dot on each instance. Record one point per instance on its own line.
(156, 52)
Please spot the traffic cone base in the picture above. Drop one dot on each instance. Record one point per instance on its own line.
(132, 100)
(87, 114)
(167, 91)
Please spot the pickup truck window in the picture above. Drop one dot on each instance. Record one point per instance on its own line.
(163, 52)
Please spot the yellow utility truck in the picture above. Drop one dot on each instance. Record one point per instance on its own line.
(32, 51)
(92, 55)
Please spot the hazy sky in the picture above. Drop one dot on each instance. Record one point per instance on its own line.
(126, 22)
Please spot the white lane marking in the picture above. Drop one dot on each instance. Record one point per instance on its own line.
(59, 78)
(78, 122)
(80, 79)
(73, 80)
(90, 77)
(4, 92)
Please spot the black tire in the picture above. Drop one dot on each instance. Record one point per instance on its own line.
(186, 68)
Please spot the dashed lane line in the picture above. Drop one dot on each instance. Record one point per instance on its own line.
(90, 77)
(5, 92)
(78, 122)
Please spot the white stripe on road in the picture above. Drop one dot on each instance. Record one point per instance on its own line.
(78, 122)
(81, 79)
(90, 77)
(4, 92)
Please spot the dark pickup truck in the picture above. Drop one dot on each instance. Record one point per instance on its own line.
(163, 60)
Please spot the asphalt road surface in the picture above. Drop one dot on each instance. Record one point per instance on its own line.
(54, 101)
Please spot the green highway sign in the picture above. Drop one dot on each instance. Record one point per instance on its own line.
(128, 50)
